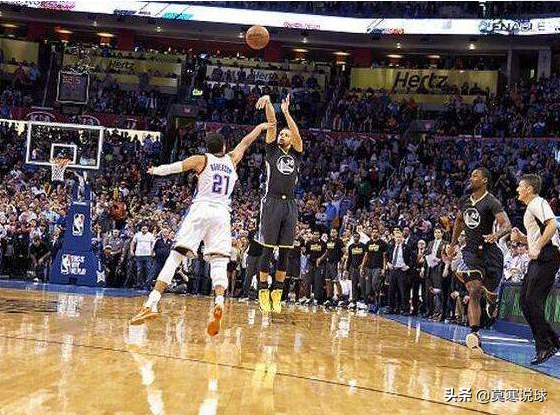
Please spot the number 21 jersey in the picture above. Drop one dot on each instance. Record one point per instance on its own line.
(216, 181)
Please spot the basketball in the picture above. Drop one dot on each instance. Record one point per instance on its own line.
(257, 37)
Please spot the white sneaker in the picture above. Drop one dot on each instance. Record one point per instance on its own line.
(472, 341)
(351, 306)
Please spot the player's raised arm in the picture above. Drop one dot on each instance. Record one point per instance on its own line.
(264, 102)
(237, 153)
(196, 163)
(297, 143)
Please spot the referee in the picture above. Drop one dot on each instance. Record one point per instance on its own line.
(544, 252)
(278, 213)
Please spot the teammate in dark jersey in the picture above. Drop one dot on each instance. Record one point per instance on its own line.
(373, 266)
(254, 252)
(293, 280)
(335, 252)
(482, 256)
(356, 251)
(278, 215)
(316, 250)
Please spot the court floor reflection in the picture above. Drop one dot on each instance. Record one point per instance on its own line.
(82, 357)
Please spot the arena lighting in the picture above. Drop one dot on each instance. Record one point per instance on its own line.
(241, 35)
(105, 34)
(10, 25)
(340, 53)
(304, 40)
(158, 29)
(433, 56)
(64, 31)
(472, 46)
(398, 45)
(395, 56)
(299, 50)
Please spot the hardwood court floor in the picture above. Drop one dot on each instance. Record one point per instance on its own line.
(75, 354)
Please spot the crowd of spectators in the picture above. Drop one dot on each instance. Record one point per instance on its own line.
(349, 182)
(256, 76)
(107, 96)
(524, 109)
(169, 55)
(373, 111)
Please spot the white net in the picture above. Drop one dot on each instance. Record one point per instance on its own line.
(58, 170)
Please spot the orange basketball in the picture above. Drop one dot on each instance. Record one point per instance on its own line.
(257, 37)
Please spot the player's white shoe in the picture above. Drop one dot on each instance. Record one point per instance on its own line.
(473, 341)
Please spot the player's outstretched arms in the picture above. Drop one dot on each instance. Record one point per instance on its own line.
(196, 163)
(264, 102)
(237, 153)
(297, 142)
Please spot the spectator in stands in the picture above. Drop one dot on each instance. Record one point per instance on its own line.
(142, 249)
(162, 247)
(39, 254)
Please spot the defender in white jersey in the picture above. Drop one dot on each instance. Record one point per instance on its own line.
(208, 220)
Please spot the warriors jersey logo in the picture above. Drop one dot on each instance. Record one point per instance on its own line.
(286, 165)
(471, 218)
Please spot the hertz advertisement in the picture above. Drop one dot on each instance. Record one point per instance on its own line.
(421, 81)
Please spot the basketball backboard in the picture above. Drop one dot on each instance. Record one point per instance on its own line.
(82, 144)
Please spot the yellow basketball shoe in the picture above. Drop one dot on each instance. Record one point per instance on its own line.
(276, 296)
(264, 300)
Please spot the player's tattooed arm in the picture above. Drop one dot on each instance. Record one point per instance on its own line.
(503, 230)
(297, 143)
(264, 102)
(237, 153)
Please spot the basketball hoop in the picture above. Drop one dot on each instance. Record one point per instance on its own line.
(58, 167)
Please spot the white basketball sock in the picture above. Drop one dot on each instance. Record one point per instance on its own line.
(219, 300)
(170, 267)
(153, 300)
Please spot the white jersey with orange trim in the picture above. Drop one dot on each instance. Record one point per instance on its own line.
(208, 219)
(216, 181)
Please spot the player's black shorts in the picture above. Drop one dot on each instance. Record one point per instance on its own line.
(278, 219)
(331, 271)
(489, 261)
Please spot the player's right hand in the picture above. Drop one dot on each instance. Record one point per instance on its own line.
(151, 170)
(262, 101)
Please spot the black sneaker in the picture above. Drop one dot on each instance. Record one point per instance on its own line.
(544, 355)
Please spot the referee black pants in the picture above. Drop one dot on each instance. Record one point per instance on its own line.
(535, 289)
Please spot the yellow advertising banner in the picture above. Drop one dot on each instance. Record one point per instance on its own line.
(20, 50)
(431, 81)
(131, 65)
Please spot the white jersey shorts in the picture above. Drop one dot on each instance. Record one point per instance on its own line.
(209, 223)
